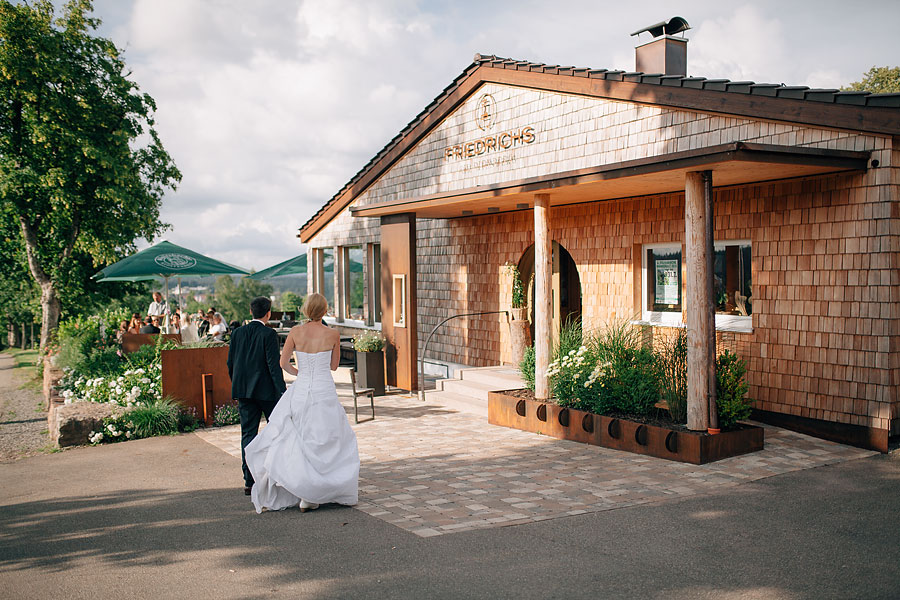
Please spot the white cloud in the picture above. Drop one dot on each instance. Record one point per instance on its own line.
(270, 106)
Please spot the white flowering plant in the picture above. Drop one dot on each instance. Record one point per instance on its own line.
(607, 372)
(131, 388)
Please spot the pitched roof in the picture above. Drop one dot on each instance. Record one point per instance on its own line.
(861, 111)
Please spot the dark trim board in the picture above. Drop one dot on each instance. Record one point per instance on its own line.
(869, 438)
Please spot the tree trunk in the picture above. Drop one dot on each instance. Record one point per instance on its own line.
(49, 312)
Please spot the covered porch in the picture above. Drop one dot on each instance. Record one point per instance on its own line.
(693, 173)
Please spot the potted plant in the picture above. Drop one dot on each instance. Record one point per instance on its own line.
(369, 348)
(519, 328)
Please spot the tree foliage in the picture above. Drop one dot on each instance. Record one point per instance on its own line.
(82, 169)
(878, 80)
(233, 300)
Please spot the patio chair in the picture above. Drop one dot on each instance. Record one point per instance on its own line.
(357, 392)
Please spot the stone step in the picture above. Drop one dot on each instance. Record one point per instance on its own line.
(501, 377)
(473, 389)
(453, 401)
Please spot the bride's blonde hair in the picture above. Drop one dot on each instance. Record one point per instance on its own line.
(315, 306)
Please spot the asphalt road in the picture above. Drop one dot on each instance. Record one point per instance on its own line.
(163, 518)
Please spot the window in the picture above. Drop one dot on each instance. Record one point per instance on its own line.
(662, 283)
(326, 266)
(732, 279)
(354, 282)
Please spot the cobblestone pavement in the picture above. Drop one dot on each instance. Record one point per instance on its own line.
(433, 470)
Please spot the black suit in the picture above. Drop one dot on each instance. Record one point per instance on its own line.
(257, 381)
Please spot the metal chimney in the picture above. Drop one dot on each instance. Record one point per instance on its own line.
(665, 53)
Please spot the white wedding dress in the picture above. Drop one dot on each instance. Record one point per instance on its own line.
(307, 450)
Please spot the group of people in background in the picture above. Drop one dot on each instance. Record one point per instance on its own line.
(209, 325)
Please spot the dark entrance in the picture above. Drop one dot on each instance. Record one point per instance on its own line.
(565, 291)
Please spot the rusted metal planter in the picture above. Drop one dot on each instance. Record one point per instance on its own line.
(550, 419)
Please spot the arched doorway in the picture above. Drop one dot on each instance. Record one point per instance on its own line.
(565, 291)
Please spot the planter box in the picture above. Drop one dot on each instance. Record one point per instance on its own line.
(370, 371)
(183, 371)
(547, 418)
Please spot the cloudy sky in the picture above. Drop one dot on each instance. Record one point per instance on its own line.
(270, 106)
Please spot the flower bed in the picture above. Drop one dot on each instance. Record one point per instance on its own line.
(509, 409)
(607, 388)
(97, 371)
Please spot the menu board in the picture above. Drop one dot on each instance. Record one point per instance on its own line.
(667, 288)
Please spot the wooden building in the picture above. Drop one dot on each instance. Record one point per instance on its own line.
(608, 172)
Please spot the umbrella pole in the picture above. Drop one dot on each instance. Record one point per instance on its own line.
(166, 315)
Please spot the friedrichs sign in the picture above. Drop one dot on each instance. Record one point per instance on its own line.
(485, 118)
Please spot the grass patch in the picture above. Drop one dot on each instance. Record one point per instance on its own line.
(24, 358)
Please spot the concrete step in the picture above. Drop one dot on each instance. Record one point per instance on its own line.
(457, 402)
(502, 378)
(473, 389)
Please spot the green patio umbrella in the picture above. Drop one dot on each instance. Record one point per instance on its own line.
(165, 260)
(291, 266)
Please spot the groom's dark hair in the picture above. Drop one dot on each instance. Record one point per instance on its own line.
(260, 306)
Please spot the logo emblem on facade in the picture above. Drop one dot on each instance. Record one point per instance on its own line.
(485, 112)
(175, 261)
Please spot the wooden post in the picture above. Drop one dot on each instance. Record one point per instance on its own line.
(697, 302)
(711, 296)
(208, 406)
(542, 302)
(23, 336)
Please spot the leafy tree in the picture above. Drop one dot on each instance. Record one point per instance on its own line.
(878, 80)
(233, 300)
(82, 169)
(291, 301)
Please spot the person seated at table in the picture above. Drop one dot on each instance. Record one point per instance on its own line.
(175, 323)
(205, 322)
(123, 329)
(234, 325)
(150, 325)
(218, 329)
(134, 326)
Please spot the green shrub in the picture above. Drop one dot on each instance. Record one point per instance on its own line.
(187, 420)
(157, 417)
(101, 362)
(227, 414)
(526, 367)
(731, 390)
(673, 363)
(624, 376)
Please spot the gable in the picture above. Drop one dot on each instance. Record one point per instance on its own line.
(502, 134)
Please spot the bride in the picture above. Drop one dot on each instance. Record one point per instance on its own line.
(307, 453)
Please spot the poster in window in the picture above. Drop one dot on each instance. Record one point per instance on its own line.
(667, 287)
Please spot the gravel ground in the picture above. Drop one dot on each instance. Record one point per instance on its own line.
(23, 422)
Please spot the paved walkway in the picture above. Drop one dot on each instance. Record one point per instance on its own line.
(435, 470)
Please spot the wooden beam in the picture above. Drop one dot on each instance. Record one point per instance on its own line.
(542, 302)
(696, 302)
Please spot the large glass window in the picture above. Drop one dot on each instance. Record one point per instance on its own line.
(354, 282)
(327, 266)
(733, 293)
(662, 284)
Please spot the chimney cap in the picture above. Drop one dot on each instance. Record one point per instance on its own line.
(670, 27)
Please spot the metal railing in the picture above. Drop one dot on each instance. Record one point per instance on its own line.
(428, 339)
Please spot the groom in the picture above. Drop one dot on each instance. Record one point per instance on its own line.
(257, 381)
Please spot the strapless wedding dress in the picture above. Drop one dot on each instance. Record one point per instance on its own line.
(307, 450)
